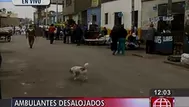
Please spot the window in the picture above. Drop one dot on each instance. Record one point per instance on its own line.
(106, 18)
(68, 3)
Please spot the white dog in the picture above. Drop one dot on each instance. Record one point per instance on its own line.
(78, 71)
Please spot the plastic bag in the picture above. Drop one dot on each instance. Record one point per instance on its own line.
(185, 58)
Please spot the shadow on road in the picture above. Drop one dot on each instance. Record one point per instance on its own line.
(77, 82)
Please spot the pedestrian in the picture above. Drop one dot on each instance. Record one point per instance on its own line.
(30, 35)
(73, 36)
(46, 32)
(114, 36)
(150, 39)
(122, 39)
(104, 31)
(78, 33)
(51, 33)
(58, 32)
(67, 34)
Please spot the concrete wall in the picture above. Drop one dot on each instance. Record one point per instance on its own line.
(148, 11)
(94, 11)
(69, 9)
(123, 6)
(81, 5)
(77, 17)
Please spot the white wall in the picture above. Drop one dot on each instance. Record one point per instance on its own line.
(148, 12)
(123, 6)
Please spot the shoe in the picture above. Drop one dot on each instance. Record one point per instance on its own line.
(114, 53)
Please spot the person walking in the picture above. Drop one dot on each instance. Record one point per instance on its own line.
(58, 32)
(51, 33)
(122, 39)
(30, 35)
(46, 32)
(114, 36)
(150, 39)
(78, 33)
(67, 34)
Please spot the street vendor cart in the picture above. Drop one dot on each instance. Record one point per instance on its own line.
(6, 34)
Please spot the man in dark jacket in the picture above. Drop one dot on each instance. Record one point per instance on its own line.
(122, 39)
(58, 33)
(78, 33)
(67, 34)
(30, 35)
(114, 36)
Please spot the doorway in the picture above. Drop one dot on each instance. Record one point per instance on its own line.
(118, 18)
(135, 19)
(94, 19)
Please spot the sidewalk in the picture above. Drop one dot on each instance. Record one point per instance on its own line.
(142, 54)
(177, 64)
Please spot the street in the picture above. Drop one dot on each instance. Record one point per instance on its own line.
(44, 71)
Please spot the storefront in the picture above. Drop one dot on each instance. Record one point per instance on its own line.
(156, 12)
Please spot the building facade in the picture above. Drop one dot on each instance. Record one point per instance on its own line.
(94, 16)
(121, 14)
(154, 10)
(76, 10)
(94, 13)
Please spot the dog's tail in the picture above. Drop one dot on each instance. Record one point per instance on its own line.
(86, 64)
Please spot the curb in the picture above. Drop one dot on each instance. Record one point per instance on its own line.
(176, 64)
(138, 55)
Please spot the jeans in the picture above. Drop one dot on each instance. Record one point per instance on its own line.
(31, 40)
(121, 45)
(51, 38)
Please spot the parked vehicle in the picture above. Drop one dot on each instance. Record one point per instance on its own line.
(6, 33)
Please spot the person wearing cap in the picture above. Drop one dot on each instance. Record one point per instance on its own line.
(30, 35)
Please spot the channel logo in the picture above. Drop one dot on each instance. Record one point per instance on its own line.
(162, 102)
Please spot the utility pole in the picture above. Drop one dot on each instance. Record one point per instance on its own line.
(46, 15)
(56, 11)
(169, 13)
(133, 12)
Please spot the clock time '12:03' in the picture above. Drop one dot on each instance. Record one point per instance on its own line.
(162, 92)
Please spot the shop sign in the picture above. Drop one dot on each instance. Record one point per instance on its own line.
(30, 2)
(95, 3)
(159, 40)
(164, 18)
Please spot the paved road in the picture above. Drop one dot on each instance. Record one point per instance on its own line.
(44, 71)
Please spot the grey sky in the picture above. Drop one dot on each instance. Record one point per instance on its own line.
(24, 11)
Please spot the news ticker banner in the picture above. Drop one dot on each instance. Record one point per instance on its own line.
(96, 102)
